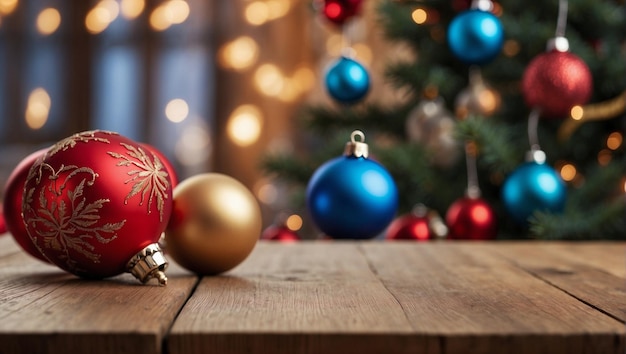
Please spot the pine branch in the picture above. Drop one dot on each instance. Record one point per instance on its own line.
(495, 144)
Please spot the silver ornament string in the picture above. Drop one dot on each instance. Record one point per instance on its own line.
(473, 189)
(561, 23)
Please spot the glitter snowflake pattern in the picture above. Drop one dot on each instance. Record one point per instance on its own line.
(72, 225)
(149, 177)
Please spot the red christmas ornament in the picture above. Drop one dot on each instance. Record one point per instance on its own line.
(555, 82)
(12, 204)
(279, 233)
(96, 204)
(3, 225)
(338, 11)
(411, 226)
(171, 171)
(471, 219)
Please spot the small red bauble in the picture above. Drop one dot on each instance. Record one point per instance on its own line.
(279, 233)
(3, 225)
(409, 227)
(12, 204)
(555, 82)
(338, 11)
(471, 219)
(96, 204)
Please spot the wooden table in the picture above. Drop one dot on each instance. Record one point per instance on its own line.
(332, 297)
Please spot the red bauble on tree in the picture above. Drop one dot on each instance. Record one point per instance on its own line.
(471, 219)
(411, 226)
(12, 204)
(96, 204)
(338, 11)
(555, 82)
(279, 233)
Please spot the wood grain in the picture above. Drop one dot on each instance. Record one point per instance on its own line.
(296, 298)
(478, 302)
(595, 273)
(44, 310)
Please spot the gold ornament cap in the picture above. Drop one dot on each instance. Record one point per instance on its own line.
(149, 263)
(356, 148)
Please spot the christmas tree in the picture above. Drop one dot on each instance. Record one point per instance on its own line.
(425, 149)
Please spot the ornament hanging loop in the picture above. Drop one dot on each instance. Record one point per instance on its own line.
(356, 148)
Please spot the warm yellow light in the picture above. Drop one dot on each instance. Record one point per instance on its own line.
(568, 172)
(419, 16)
(304, 77)
(577, 112)
(269, 80)
(176, 11)
(239, 54)
(257, 13)
(334, 44)
(111, 6)
(244, 125)
(614, 141)
(98, 19)
(37, 108)
(267, 193)
(277, 8)
(48, 21)
(624, 186)
(511, 48)
(7, 6)
(294, 222)
(363, 53)
(159, 19)
(177, 110)
(604, 157)
(193, 147)
(132, 8)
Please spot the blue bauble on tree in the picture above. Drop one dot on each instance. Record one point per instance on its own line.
(533, 186)
(352, 197)
(475, 36)
(347, 81)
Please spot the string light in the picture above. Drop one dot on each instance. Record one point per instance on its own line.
(169, 13)
(257, 13)
(101, 16)
(266, 192)
(37, 108)
(269, 80)
(244, 125)
(7, 6)
(294, 222)
(239, 54)
(177, 110)
(419, 16)
(614, 141)
(48, 21)
(568, 172)
(131, 9)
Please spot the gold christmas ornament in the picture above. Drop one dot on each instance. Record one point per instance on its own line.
(215, 224)
(477, 98)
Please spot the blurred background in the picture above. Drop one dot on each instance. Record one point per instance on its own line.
(214, 85)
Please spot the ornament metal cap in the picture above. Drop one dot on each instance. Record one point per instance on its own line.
(149, 263)
(356, 148)
(558, 43)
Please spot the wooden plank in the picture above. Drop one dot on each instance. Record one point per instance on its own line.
(44, 310)
(478, 302)
(305, 297)
(591, 272)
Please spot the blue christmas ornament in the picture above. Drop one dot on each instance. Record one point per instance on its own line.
(475, 36)
(352, 197)
(533, 186)
(347, 81)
